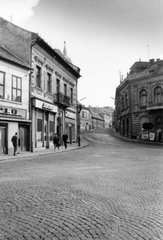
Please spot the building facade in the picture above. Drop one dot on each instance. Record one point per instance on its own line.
(54, 95)
(85, 119)
(53, 85)
(139, 100)
(14, 101)
(97, 121)
(106, 115)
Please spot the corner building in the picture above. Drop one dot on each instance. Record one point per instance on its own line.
(52, 83)
(139, 100)
(14, 101)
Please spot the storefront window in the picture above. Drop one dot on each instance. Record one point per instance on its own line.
(52, 124)
(45, 128)
(39, 125)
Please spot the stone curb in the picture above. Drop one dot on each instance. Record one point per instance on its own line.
(43, 152)
(135, 140)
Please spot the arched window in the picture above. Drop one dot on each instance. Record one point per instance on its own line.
(143, 98)
(159, 120)
(126, 99)
(123, 102)
(158, 95)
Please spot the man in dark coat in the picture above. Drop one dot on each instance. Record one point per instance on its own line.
(65, 138)
(14, 141)
(56, 141)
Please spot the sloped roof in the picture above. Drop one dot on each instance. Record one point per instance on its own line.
(85, 108)
(148, 69)
(111, 109)
(77, 69)
(138, 74)
(108, 111)
(8, 55)
(103, 110)
(96, 115)
(139, 66)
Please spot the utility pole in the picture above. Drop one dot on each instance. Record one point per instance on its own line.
(79, 108)
(148, 52)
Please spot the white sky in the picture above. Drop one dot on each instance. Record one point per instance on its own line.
(102, 37)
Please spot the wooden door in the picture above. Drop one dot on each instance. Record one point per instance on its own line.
(2, 140)
(23, 138)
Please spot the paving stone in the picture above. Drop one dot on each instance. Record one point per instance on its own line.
(105, 192)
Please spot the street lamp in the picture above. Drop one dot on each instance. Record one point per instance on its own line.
(79, 108)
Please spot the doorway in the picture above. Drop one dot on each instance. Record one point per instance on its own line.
(23, 142)
(3, 140)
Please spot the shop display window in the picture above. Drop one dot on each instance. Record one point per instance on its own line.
(39, 125)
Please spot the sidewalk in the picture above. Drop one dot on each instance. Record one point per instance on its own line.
(117, 134)
(42, 152)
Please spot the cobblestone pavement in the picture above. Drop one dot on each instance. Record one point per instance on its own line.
(111, 189)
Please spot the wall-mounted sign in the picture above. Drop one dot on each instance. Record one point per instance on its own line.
(70, 115)
(45, 105)
(13, 112)
(144, 135)
(152, 136)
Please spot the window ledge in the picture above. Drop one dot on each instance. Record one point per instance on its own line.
(10, 101)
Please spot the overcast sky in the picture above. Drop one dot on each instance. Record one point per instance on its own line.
(103, 37)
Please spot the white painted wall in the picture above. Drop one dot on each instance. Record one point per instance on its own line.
(10, 70)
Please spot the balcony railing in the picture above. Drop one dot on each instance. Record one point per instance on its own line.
(61, 99)
(155, 106)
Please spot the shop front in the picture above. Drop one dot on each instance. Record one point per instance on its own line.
(14, 120)
(43, 124)
(70, 126)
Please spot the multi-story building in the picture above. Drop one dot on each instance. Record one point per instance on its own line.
(54, 94)
(106, 114)
(53, 85)
(85, 119)
(139, 100)
(97, 120)
(14, 101)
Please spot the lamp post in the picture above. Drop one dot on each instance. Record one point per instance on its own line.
(79, 108)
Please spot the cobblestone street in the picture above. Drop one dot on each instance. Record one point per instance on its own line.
(109, 190)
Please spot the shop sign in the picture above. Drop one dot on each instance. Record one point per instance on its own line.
(70, 115)
(46, 106)
(70, 122)
(144, 135)
(12, 112)
(152, 136)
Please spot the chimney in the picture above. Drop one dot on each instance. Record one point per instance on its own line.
(152, 60)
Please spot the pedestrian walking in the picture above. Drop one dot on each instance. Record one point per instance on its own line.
(14, 141)
(56, 141)
(65, 138)
(159, 136)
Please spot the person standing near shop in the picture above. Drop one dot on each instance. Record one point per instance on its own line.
(56, 141)
(14, 141)
(65, 138)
